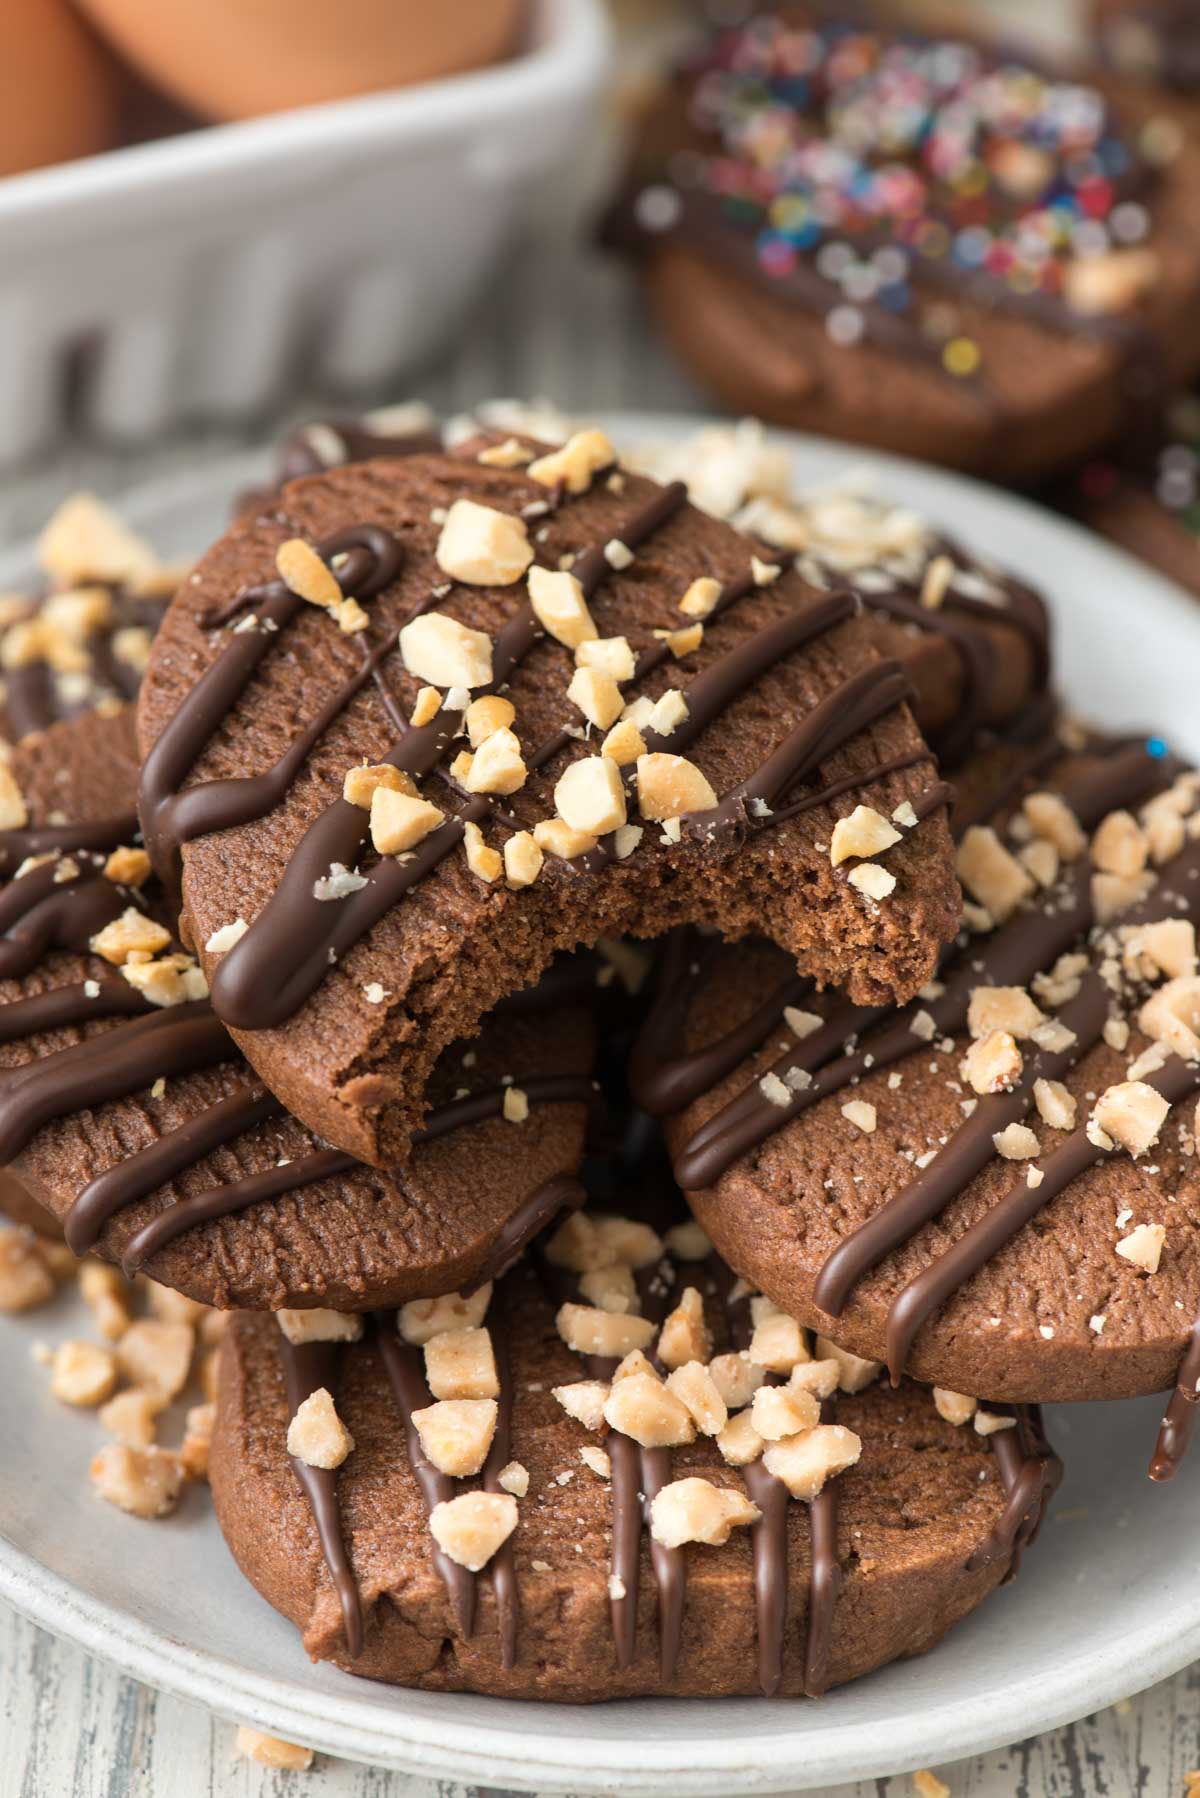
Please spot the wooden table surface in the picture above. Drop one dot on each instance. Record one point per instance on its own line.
(71, 1727)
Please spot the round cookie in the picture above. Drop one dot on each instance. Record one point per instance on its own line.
(996, 1187)
(837, 235)
(127, 1113)
(776, 692)
(582, 1600)
(82, 643)
(1152, 509)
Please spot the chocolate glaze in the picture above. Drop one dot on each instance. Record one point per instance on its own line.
(307, 1366)
(52, 839)
(1032, 1473)
(66, 1005)
(1175, 1431)
(39, 913)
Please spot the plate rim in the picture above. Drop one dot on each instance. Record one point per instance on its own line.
(370, 1722)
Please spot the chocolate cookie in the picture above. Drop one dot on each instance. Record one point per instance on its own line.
(995, 1187)
(259, 714)
(1153, 507)
(127, 1112)
(507, 1537)
(920, 244)
(81, 643)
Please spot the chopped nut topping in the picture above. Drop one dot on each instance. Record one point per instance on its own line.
(1171, 1017)
(992, 1064)
(608, 655)
(426, 707)
(1056, 1105)
(861, 1114)
(1132, 1113)
(422, 1319)
(1143, 1247)
(590, 795)
(456, 1434)
(483, 548)
(584, 1400)
(684, 1336)
(168, 981)
(682, 642)
(581, 457)
(105, 1292)
(197, 1440)
(509, 454)
(806, 1461)
(618, 555)
(687, 1242)
(560, 607)
(554, 836)
(821, 1378)
(736, 1377)
(855, 1372)
(1041, 860)
(86, 541)
(1119, 846)
(739, 1442)
(778, 1342)
(460, 1364)
(130, 1417)
(483, 717)
(360, 784)
(400, 822)
(597, 1459)
(925, 1783)
(865, 832)
(695, 1388)
(1051, 818)
(316, 1434)
(668, 712)
(610, 1288)
(471, 1527)
(936, 581)
(1114, 893)
(641, 1406)
(143, 1481)
(438, 649)
(694, 1510)
(701, 597)
(592, 1332)
(669, 786)
(83, 1373)
(272, 1751)
(128, 867)
(514, 1478)
(1017, 1142)
(779, 1411)
(157, 1355)
(522, 859)
(955, 1407)
(320, 1325)
(133, 933)
(485, 863)
(1167, 947)
(988, 1422)
(597, 695)
(1006, 1008)
(302, 570)
(871, 879)
(1113, 281)
(991, 874)
(764, 572)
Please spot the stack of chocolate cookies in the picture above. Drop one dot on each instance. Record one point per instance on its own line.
(611, 1006)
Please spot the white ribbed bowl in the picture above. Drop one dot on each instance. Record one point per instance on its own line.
(195, 273)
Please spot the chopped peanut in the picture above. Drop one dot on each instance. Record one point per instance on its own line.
(1114, 893)
(1132, 1113)
(871, 879)
(133, 933)
(484, 548)
(821, 1378)
(669, 786)
(484, 862)
(584, 1400)
(359, 785)
(592, 1332)
(14, 814)
(1172, 1017)
(497, 766)
(739, 1442)
(422, 1319)
(514, 1478)
(105, 1292)
(426, 707)
(400, 822)
(438, 649)
(1051, 818)
(701, 597)
(522, 859)
(779, 1411)
(611, 1288)
(157, 1356)
(694, 1510)
(862, 1115)
(471, 1527)
(1143, 1247)
(554, 836)
(806, 1461)
(695, 1387)
(573, 466)
(864, 833)
(597, 695)
(955, 1407)
(991, 874)
(560, 606)
(1119, 846)
(993, 1063)
(320, 1325)
(607, 655)
(1003, 1008)
(128, 867)
(316, 1434)
(1016, 1142)
(624, 743)
(855, 1372)
(778, 1342)
(590, 796)
(130, 1417)
(684, 1336)
(86, 541)
(197, 1440)
(143, 1481)
(301, 569)
(461, 1364)
(642, 1407)
(272, 1751)
(1056, 1105)
(83, 1373)
(456, 1433)
(485, 716)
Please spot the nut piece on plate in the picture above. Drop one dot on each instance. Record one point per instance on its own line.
(272, 1751)
(143, 1481)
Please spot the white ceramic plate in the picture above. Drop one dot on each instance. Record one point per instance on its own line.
(1108, 1602)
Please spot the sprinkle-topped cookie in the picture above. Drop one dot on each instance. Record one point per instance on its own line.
(893, 237)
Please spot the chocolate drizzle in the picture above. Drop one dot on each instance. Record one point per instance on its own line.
(1175, 1431)
(1031, 1473)
(308, 1366)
